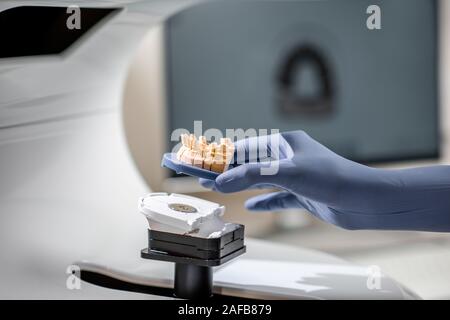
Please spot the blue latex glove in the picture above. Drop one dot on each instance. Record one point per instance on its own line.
(340, 191)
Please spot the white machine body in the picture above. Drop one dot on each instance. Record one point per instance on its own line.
(70, 179)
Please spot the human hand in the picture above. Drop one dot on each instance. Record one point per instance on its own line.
(337, 190)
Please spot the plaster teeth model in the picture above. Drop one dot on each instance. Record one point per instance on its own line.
(181, 214)
(214, 157)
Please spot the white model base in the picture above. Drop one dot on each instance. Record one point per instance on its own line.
(182, 214)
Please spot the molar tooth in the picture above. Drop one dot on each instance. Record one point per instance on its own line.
(207, 163)
(209, 156)
(202, 144)
(192, 141)
(188, 156)
(198, 160)
(184, 146)
(226, 141)
(218, 165)
(218, 158)
(180, 152)
(223, 148)
(183, 156)
(184, 139)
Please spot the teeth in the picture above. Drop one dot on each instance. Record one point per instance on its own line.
(184, 150)
(199, 153)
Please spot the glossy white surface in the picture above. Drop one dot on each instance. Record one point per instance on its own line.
(69, 186)
(267, 270)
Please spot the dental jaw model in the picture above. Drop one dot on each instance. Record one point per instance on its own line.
(190, 232)
(214, 157)
(199, 159)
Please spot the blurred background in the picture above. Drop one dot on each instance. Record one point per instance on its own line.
(375, 96)
(85, 116)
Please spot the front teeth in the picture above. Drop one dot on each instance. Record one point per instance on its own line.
(199, 153)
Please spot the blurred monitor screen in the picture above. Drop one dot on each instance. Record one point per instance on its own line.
(369, 95)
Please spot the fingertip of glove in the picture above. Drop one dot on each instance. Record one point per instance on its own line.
(254, 205)
(222, 182)
(206, 183)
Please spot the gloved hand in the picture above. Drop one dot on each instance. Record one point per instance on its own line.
(337, 190)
